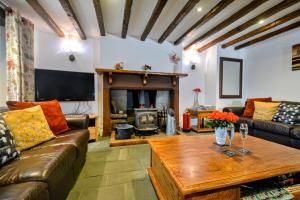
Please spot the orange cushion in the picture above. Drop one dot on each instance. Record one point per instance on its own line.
(249, 108)
(52, 111)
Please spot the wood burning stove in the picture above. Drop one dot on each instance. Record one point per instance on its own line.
(146, 121)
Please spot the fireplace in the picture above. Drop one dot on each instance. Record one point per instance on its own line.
(139, 108)
(131, 82)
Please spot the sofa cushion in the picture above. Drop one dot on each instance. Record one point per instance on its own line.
(273, 127)
(52, 111)
(249, 106)
(265, 110)
(8, 149)
(48, 164)
(295, 133)
(246, 120)
(78, 138)
(29, 127)
(25, 191)
(288, 114)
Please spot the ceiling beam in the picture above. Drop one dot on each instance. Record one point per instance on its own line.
(262, 29)
(98, 10)
(180, 16)
(5, 7)
(208, 16)
(45, 16)
(239, 14)
(126, 17)
(269, 35)
(70, 12)
(155, 14)
(268, 13)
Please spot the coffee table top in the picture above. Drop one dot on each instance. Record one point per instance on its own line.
(196, 164)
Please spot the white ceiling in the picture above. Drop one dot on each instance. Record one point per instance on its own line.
(141, 11)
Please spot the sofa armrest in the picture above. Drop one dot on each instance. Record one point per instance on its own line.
(78, 122)
(236, 110)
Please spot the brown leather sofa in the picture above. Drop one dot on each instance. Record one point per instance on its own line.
(280, 133)
(49, 170)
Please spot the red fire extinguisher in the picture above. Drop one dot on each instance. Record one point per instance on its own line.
(186, 121)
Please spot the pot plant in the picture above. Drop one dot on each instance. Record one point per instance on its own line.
(220, 121)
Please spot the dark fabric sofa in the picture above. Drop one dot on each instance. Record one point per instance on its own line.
(285, 134)
(49, 170)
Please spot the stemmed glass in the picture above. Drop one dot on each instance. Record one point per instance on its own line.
(230, 134)
(244, 134)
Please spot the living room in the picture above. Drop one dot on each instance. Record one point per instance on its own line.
(140, 99)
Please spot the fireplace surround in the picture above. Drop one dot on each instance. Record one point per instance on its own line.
(136, 80)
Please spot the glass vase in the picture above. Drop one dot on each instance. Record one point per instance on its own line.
(196, 100)
(221, 134)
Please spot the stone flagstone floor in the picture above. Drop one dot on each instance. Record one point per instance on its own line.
(117, 173)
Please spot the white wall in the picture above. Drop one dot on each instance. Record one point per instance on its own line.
(49, 55)
(269, 70)
(195, 79)
(2, 67)
(135, 53)
(206, 76)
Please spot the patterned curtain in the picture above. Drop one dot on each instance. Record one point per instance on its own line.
(19, 57)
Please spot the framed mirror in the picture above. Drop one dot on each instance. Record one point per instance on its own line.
(231, 78)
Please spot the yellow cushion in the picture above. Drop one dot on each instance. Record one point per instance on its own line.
(265, 110)
(29, 127)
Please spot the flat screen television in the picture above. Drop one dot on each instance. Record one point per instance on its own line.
(64, 86)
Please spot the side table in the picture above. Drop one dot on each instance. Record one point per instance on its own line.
(200, 115)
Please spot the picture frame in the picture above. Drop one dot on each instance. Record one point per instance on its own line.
(296, 57)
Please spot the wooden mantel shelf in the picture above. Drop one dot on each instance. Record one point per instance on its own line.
(102, 70)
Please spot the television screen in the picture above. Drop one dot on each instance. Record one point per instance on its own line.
(64, 86)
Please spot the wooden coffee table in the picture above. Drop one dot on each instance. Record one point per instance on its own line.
(194, 168)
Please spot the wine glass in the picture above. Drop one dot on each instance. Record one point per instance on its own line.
(244, 134)
(230, 134)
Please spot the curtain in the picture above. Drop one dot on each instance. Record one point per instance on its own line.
(19, 57)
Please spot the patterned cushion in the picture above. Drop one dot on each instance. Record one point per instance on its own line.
(29, 127)
(288, 114)
(7, 144)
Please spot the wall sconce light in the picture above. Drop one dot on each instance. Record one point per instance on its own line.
(193, 66)
(71, 45)
(71, 57)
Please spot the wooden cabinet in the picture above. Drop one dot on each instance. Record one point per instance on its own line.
(94, 127)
